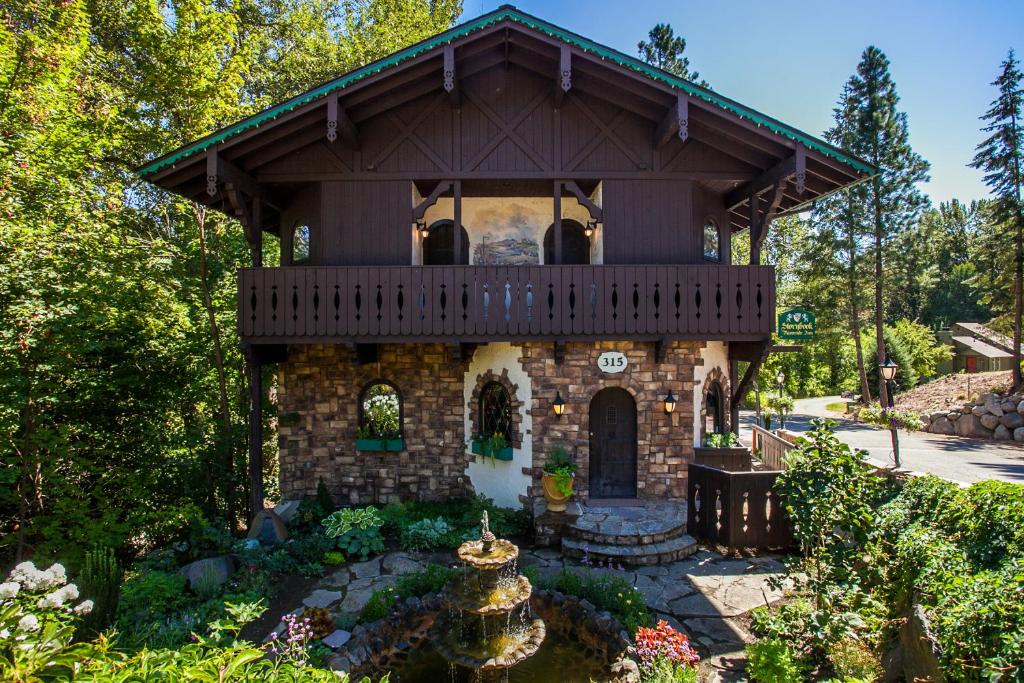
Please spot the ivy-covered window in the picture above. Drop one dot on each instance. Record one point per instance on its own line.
(712, 241)
(380, 412)
(495, 411)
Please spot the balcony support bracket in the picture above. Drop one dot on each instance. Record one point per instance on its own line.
(559, 351)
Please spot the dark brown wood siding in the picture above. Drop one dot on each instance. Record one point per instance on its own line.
(366, 223)
(648, 221)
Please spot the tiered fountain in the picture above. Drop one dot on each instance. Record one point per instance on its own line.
(488, 625)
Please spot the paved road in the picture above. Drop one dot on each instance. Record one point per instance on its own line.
(950, 457)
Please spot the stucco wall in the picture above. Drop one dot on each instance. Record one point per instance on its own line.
(715, 354)
(503, 481)
(494, 220)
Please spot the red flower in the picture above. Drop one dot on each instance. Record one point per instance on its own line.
(664, 641)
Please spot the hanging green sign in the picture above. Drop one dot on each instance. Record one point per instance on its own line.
(797, 324)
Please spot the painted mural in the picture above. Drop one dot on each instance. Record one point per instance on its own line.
(508, 236)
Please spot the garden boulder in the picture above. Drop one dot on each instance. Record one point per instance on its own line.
(1001, 433)
(1013, 420)
(268, 527)
(971, 425)
(208, 573)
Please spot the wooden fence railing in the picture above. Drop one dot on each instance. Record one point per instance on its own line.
(736, 509)
(769, 448)
(480, 303)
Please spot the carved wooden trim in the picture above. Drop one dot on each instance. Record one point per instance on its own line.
(507, 130)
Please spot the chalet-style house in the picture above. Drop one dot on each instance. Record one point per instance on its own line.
(501, 239)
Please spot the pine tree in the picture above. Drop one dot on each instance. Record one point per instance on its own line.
(1001, 156)
(894, 202)
(665, 51)
(841, 224)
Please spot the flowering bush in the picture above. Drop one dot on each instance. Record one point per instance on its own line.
(665, 654)
(37, 622)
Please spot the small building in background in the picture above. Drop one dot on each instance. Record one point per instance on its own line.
(976, 348)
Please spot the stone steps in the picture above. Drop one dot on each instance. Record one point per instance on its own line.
(669, 550)
(634, 524)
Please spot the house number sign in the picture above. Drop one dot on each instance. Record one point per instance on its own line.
(612, 361)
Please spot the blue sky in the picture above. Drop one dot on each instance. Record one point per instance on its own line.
(790, 59)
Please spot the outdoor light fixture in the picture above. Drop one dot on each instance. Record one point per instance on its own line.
(591, 226)
(780, 379)
(559, 405)
(888, 370)
(421, 225)
(670, 403)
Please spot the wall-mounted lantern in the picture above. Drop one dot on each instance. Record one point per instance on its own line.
(670, 403)
(591, 227)
(421, 225)
(559, 404)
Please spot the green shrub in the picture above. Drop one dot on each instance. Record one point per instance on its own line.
(151, 594)
(430, 579)
(988, 520)
(342, 521)
(361, 542)
(100, 581)
(604, 590)
(429, 534)
(463, 515)
(853, 660)
(772, 661)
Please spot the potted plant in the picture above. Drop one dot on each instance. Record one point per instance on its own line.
(380, 430)
(494, 446)
(557, 478)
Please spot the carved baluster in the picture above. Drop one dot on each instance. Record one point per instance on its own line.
(337, 302)
(657, 301)
(615, 301)
(718, 299)
(465, 301)
(529, 301)
(401, 302)
(423, 301)
(359, 302)
(444, 301)
(696, 503)
(746, 509)
(697, 300)
(316, 303)
(636, 300)
(572, 301)
(253, 301)
(758, 299)
(508, 301)
(718, 511)
(739, 301)
(273, 302)
(593, 301)
(551, 302)
(487, 300)
(768, 510)
(678, 300)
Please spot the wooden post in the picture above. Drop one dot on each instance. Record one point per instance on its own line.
(558, 221)
(254, 368)
(257, 233)
(457, 229)
(734, 404)
(755, 232)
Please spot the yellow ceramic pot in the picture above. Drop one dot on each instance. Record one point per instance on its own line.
(556, 501)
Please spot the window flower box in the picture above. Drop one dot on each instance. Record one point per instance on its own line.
(482, 448)
(380, 445)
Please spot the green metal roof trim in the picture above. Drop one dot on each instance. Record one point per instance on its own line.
(511, 14)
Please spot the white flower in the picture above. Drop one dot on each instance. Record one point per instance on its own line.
(69, 592)
(84, 608)
(9, 589)
(4, 634)
(52, 600)
(29, 622)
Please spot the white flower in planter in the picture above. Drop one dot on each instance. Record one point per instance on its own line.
(9, 590)
(29, 622)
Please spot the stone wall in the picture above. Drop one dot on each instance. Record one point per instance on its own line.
(990, 417)
(318, 394)
(664, 442)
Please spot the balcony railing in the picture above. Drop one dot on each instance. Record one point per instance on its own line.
(486, 303)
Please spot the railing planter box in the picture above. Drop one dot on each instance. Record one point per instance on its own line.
(736, 509)
(734, 459)
(380, 445)
(482, 448)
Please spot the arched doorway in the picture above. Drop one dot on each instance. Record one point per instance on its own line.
(439, 245)
(714, 407)
(575, 244)
(612, 444)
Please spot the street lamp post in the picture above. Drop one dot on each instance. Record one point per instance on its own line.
(780, 379)
(888, 372)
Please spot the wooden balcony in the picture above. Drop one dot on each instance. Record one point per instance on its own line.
(318, 304)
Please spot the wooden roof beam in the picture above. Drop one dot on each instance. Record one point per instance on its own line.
(794, 165)
(338, 122)
(593, 209)
(564, 82)
(676, 122)
(451, 82)
(220, 170)
(430, 200)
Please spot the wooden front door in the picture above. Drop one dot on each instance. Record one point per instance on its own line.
(612, 444)
(972, 363)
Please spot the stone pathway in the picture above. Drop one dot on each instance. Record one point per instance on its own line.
(706, 595)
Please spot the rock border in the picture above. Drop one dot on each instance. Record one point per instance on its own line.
(992, 416)
(385, 644)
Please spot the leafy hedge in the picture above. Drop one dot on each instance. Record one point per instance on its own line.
(873, 549)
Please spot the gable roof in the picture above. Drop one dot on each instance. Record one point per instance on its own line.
(510, 14)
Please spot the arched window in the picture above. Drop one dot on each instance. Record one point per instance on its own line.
(495, 411)
(380, 411)
(300, 244)
(712, 240)
(439, 245)
(714, 418)
(575, 244)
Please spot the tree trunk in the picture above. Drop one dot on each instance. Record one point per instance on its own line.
(883, 392)
(865, 388)
(227, 452)
(1018, 276)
